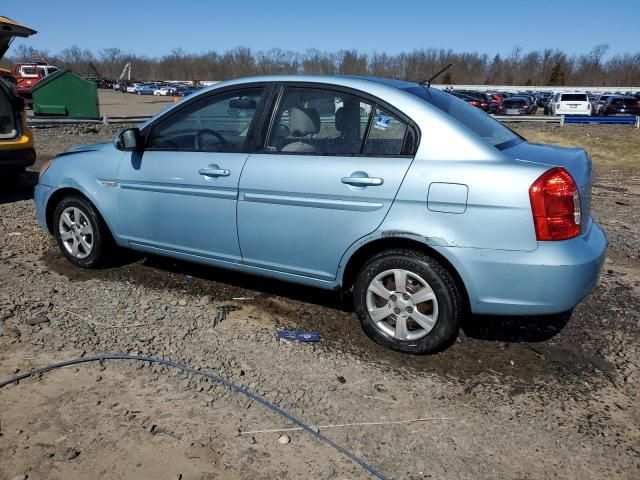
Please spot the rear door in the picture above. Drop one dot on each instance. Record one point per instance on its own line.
(331, 167)
(180, 194)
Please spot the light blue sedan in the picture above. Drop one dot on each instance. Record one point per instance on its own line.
(419, 206)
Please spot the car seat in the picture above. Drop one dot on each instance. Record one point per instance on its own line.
(302, 122)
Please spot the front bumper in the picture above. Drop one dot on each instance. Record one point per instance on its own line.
(552, 279)
(41, 194)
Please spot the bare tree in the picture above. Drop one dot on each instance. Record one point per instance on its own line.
(520, 67)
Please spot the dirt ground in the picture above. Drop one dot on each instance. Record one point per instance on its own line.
(513, 398)
(118, 104)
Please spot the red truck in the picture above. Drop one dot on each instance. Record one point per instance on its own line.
(28, 74)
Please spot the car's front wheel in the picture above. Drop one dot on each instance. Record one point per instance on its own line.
(408, 301)
(82, 235)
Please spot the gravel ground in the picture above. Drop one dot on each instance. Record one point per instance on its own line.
(512, 398)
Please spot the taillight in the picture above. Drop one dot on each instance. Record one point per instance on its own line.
(555, 204)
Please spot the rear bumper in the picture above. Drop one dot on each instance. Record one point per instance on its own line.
(16, 157)
(552, 279)
(564, 111)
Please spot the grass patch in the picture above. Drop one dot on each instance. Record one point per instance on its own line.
(612, 147)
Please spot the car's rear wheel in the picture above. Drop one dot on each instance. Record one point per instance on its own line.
(82, 235)
(408, 301)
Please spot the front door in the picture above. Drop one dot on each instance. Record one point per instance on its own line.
(180, 194)
(332, 166)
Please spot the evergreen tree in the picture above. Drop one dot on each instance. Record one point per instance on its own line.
(557, 76)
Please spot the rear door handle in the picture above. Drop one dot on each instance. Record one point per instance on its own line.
(362, 181)
(214, 172)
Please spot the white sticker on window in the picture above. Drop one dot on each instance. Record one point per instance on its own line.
(382, 122)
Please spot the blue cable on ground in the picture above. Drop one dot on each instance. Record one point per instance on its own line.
(216, 378)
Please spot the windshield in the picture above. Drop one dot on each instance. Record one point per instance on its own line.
(471, 117)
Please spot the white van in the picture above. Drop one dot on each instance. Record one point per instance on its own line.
(570, 103)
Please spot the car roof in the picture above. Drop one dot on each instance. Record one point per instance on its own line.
(343, 80)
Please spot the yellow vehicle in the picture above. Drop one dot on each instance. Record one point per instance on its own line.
(16, 140)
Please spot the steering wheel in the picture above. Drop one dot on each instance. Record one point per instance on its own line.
(221, 140)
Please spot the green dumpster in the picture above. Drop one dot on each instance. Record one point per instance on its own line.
(64, 93)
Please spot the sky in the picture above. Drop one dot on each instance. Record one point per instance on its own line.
(482, 26)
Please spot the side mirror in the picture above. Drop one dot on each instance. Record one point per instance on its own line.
(129, 139)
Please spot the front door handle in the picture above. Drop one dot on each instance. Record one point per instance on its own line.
(362, 181)
(214, 171)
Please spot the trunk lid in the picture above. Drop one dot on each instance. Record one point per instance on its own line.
(575, 160)
(10, 29)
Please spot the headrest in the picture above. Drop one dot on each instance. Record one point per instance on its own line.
(341, 120)
(303, 121)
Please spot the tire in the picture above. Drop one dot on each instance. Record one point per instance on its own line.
(80, 212)
(440, 316)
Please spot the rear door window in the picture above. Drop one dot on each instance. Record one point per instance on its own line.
(318, 121)
(573, 97)
(386, 135)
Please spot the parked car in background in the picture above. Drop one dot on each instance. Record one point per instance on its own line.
(516, 106)
(132, 88)
(473, 101)
(147, 89)
(620, 105)
(490, 99)
(26, 75)
(121, 85)
(46, 70)
(384, 207)
(185, 90)
(164, 90)
(542, 98)
(570, 103)
(596, 105)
